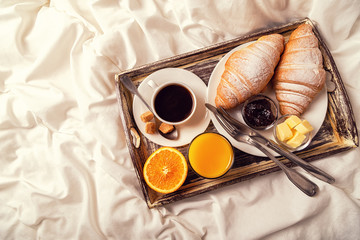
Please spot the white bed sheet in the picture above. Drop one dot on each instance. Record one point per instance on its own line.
(65, 170)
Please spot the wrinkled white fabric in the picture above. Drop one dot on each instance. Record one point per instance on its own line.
(65, 170)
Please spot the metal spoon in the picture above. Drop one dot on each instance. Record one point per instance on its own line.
(126, 81)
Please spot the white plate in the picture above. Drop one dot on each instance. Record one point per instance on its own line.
(187, 131)
(315, 113)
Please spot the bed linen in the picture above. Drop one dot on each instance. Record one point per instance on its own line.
(65, 170)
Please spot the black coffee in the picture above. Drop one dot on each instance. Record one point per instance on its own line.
(173, 103)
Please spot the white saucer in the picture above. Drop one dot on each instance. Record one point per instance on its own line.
(315, 113)
(187, 131)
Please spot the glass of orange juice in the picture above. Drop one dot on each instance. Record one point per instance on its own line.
(210, 155)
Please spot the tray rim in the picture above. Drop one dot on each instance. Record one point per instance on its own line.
(144, 70)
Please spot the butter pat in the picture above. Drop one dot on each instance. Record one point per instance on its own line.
(292, 121)
(283, 132)
(293, 131)
(304, 127)
(296, 140)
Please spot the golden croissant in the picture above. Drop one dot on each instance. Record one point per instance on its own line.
(300, 74)
(248, 71)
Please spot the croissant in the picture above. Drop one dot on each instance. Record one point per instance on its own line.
(248, 71)
(300, 74)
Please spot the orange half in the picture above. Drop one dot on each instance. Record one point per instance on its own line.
(165, 170)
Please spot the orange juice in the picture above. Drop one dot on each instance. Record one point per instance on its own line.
(210, 155)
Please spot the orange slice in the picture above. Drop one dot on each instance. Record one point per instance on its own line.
(165, 170)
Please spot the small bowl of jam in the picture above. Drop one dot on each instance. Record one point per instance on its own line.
(259, 112)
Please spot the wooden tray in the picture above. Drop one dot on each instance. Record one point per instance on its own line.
(338, 132)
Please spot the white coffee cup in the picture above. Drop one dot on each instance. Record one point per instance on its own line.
(173, 102)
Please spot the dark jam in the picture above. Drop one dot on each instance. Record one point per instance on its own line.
(173, 103)
(259, 114)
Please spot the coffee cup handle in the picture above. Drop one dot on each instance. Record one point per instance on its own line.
(152, 84)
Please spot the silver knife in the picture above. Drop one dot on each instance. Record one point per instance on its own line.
(311, 169)
(299, 180)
